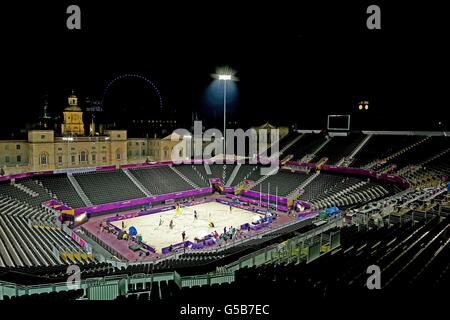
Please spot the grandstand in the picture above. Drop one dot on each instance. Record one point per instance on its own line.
(389, 191)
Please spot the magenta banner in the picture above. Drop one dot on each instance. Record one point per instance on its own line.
(228, 189)
(145, 165)
(303, 203)
(357, 171)
(106, 168)
(25, 175)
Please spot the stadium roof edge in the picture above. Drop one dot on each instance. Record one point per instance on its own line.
(399, 133)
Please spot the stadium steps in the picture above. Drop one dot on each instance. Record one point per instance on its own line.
(207, 168)
(246, 171)
(32, 244)
(291, 143)
(184, 177)
(303, 185)
(386, 160)
(137, 183)
(345, 162)
(260, 180)
(11, 243)
(202, 177)
(437, 156)
(312, 155)
(5, 248)
(2, 263)
(80, 191)
(283, 143)
(31, 252)
(25, 189)
(224, 174)
(233, 175)
(360, 146)
(40, 243)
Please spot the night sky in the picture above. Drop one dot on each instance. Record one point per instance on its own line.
(295, 62)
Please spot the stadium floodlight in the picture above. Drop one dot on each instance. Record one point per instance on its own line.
(225, 77)
(225, 74)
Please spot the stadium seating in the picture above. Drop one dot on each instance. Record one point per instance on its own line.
(30, 243)
(338, 148)
(320, 185)
(381, 146)
(306, 145)
(108, 186)
(283, 181)
(193, 174)
(416, 153)
(25, 190)
(222, 171)
(329, 190)
(59, 185)
(12, 207)
(410, 253)
(246, 172)
(161, 180)
(441, 164)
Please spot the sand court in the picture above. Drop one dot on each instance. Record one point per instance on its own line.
(156, 232)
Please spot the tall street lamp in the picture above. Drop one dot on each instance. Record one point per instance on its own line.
(225, 78)
(225, 74)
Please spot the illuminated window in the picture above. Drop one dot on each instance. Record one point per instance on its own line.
(43, 159)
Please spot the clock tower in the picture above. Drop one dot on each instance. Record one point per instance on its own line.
(73, 118)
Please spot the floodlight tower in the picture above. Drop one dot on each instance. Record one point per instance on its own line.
(225, 78)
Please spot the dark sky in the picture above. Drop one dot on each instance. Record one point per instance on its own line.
(296, 61)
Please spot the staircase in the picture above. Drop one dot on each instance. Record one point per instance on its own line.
(207, 168)
(305, 183)
(224, 173)
(200, 174)
(25, 189)
(295, 140)
(313, 154)
(262, 178)
(80, 191)
(346, 161)
(436, 156)
(233, 175)
(184, 177)
(137, 183)
(394, 155)
(307, 158)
